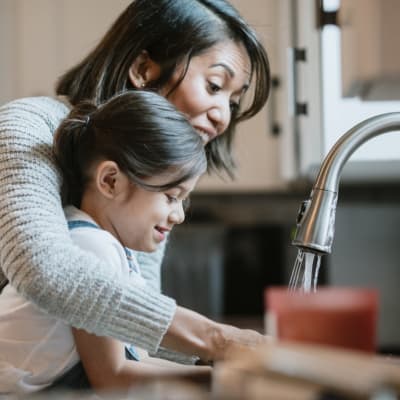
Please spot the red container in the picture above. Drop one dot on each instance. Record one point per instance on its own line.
(335, 316)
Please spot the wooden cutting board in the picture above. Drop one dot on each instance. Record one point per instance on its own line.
(310, 370)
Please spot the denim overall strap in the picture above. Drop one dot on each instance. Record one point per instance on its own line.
(81, 224)
(133, 265)
(130, 350)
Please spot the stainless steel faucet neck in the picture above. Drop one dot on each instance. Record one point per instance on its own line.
(316, 220)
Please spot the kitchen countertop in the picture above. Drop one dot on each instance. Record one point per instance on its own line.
(279, 207)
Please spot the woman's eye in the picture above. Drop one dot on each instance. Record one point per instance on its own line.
(234, 107)
(214, 87)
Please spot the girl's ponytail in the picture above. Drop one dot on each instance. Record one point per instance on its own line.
(70, 141)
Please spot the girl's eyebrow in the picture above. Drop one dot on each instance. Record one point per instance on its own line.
(183, 190)
(179, 188)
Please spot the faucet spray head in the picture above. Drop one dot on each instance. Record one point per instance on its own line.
(316, 222)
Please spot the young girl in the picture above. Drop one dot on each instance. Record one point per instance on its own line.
(128, 166)
(200, 55)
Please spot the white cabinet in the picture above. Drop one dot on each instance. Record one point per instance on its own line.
(323, 112)
(43, 38)
(370, 56)
(7, 49)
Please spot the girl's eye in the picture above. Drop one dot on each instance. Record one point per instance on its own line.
(186, 204)
(214, 87)
(171, 199)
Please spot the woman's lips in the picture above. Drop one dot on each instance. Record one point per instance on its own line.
(206, 136)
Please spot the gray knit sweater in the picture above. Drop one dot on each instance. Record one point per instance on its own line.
(36, 252)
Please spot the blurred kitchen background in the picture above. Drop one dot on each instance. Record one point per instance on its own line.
(334, 63)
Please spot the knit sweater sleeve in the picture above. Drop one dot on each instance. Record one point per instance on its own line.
(36, 253)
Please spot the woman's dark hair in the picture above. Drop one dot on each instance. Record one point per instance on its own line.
(172, 32)
(141, 131)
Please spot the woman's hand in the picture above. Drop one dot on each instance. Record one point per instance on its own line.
(192, 333)
(230, 340)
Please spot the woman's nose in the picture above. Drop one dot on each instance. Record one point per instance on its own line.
(220, 116)
(177, 215)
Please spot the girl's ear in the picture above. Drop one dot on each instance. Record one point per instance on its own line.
(143, 70)
(108, 178)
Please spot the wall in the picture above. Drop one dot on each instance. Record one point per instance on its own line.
(366, 252)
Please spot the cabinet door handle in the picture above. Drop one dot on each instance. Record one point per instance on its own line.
(275, 128)
(291, 81)
(326, 17)
(295, 55)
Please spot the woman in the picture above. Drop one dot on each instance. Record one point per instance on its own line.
(202, 57)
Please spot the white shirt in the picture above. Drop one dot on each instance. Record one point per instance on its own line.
(35, 348)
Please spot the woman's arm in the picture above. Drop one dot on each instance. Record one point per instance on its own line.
(36, 253)
(107, 369)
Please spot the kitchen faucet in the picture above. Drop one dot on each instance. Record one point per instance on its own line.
(316, 218)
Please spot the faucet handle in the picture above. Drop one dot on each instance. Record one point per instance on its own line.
(302, 209)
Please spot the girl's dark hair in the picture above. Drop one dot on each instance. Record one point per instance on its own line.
(141, 131)
(172, 32)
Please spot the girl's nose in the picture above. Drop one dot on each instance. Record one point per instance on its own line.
(177, 215)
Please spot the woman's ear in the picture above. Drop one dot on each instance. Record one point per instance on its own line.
(143, 70)
(108, 178)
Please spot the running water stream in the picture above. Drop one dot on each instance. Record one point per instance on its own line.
(305, 272)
